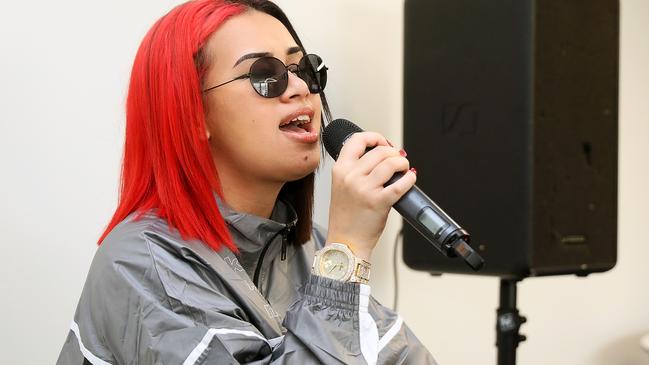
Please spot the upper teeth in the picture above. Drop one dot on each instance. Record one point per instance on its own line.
(300, 119)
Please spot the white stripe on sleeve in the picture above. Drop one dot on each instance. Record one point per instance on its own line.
(391, 333)
(94, 360)
(209, 335)
(369, 334)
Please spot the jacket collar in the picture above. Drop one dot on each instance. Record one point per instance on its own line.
(253, 235)
(258, 230)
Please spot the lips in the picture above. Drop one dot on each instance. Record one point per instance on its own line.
(297, 125)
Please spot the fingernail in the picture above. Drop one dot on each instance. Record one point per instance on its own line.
(414, 170)
(403, 153)
(390, 143)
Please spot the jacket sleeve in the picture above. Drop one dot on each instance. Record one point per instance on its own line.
(126, 316)
(337, 322)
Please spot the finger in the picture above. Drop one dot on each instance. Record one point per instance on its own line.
(373, 158)
(386, 169)
(392, 193)
(355, 146)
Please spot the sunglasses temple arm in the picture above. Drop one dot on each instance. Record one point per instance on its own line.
(227, 82)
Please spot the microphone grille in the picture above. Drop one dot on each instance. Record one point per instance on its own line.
(335, 134)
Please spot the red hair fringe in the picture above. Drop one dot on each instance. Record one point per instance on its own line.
(167, 165)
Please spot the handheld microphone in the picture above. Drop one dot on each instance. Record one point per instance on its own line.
(415, 207)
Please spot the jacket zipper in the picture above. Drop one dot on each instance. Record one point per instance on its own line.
(284, 232)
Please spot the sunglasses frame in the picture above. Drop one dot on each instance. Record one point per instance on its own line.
(293, 68)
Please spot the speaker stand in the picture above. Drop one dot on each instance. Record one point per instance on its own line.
(508, 323)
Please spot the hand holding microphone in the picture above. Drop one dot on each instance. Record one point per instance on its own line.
(368, 178)
(360, 202)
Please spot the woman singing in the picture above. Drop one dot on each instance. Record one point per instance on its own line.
(211, 256)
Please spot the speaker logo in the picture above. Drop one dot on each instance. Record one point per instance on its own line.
(459, 119)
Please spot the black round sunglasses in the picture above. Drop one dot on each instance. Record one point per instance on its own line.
(269, 76)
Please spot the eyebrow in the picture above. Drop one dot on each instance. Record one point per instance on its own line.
(248, 56)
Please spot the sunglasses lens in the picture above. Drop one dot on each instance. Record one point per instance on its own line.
(314, 72)
(268, 77)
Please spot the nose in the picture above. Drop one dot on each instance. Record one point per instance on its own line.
(296, 87)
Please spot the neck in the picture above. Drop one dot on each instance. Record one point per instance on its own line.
(251, 197)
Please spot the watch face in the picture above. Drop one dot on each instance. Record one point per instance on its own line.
(334, 264)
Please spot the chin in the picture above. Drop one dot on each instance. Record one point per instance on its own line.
(303, 170)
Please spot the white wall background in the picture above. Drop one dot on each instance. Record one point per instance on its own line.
(64, 68)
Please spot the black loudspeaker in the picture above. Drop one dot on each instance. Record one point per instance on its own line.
(511, 119)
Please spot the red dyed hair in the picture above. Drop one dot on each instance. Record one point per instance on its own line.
(167, 162)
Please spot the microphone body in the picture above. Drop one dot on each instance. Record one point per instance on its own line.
(429, 219)
(415, 206)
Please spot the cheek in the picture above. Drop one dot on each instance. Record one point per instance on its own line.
(239, 132)
(231, 117)
(316, 102)
(242, 137)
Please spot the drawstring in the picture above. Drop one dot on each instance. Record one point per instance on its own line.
(285, 233)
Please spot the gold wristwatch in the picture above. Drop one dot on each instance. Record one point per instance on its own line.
(336, 261)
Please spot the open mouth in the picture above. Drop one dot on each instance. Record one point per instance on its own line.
(300, 124)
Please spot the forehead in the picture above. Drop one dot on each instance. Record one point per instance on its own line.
(251, 31)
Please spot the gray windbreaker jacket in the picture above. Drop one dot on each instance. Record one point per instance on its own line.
(152, 297)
